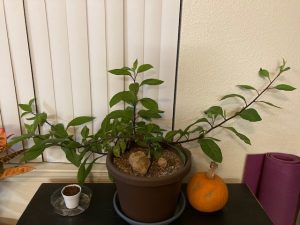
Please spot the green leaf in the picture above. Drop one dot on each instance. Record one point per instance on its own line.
(80, 120)
(39, 138)
(39, 120)
(286, 69)
(24, 113)
(148, 114)
(31, 118)
(250, 115)
(202, 120)
(90, 166)
(31, 101)
(214, 111)
(85, 132)
(211, 149)
(126, 68)
(269, 103)
(144, 67)
(116, 151)
(81, 174)
(72, 156)
(171, 134)
(122, 71)
(122, 145)
(240, 135)
(151, 82)
(59, 131)
(134, 88)
(72, 144)
(263, 73)
(135, 64)
(125, 96)
(199, 129)
(212, 138)
(34, 152)
(18, 139)
(149, 103)
(283, 63)
(38, 149)
(153, 128)
(25, 107)
(29, 128)
(234, 95)
(84, 171)
(247, 87)
(284, 87)
(125, 114)
(282, 67)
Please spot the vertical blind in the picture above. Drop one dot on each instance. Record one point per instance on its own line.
(59, 51)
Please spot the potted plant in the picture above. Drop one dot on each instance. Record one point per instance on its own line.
(146, 162)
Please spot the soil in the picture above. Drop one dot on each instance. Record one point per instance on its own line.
(71, 190)
(174, 163)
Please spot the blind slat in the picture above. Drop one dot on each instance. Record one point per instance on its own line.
(97, 55)
(115, 45)
(79, 58)
(41, 61)
(8, 99)
(60, 64)
(152, 37)
(168, 52)
(40, 57)
(17, 35)
(60, 59)
(134, 35)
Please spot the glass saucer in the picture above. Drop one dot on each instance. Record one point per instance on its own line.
(179, 210)
(60, 208)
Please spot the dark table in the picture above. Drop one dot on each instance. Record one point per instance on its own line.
(241, 209)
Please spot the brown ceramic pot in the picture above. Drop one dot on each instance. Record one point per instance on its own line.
(148, 199)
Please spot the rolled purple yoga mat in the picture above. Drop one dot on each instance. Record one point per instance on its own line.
(275, 179)
(252, 172)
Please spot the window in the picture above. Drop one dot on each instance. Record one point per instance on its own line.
(59, 51)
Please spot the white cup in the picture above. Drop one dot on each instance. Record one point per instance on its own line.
(71, 199)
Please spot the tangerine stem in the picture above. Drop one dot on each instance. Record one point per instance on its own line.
(211, 172)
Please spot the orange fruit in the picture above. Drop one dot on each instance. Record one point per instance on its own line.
(207, 194)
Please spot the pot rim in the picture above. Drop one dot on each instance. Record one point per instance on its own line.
(149, 181)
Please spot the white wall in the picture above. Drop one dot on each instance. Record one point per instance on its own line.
(224, 43)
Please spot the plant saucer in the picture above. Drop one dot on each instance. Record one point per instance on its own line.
(58, 203)
(179, 210)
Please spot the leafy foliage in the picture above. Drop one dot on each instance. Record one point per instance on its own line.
(133, 124)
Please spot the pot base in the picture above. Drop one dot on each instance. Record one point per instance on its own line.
(179, 210)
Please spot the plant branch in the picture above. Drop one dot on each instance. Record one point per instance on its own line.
(235, 115)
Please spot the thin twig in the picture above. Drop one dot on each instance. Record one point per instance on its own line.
(235, 115)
